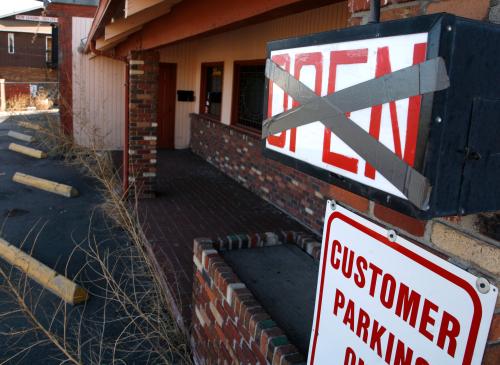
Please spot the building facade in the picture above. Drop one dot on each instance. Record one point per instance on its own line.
(26, 52)
(194, 71)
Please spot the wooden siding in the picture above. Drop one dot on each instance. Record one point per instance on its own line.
(98, 94)
(246, 43)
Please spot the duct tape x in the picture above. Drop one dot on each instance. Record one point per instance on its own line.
(422, 78)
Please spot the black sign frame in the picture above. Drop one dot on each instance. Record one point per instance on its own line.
(442, 137)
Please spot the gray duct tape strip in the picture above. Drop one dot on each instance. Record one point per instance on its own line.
(427, 77)
(423, 78)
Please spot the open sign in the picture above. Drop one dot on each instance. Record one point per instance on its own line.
(382, 299)
(332, 67)
(438, 134)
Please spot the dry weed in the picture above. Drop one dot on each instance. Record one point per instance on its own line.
(136, 319)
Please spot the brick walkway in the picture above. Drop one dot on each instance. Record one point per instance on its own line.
(197, 200)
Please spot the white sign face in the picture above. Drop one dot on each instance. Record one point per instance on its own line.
(36, 18)
(332, 67)
(386, 300)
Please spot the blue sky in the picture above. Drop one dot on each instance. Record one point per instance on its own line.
(11, 6)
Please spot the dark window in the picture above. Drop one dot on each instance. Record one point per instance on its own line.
(211, 89)
(248, 94)
(10, 43)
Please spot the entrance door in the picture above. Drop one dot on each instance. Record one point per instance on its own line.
(166, 105)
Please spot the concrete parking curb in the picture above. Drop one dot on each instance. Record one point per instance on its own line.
(33, 152)
(47, 185)
(58, 284)
(20, 136)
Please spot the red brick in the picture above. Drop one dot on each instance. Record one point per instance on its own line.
(491, 355)
(248, 356)
(355, 201)
(282, 351)
(494, 334)
(258, 353)
(409, 224)
(229, 310)
(400, 13)
(477, 9)
(364, 5)
(265, 336)
(231, 332)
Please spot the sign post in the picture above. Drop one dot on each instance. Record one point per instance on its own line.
(382, 299)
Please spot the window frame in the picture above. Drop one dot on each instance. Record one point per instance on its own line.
(11, 43)
(48, 53)
(236, 90)
(203, 88)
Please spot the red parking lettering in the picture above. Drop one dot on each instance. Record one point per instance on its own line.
(363, 325)
(402, 356)
(349, 315)
(376, 337)
(339, 301)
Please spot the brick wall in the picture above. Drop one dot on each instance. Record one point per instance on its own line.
(464, 241)
(143, 90)
(470, 242)
(229, 324)
(396, 9)
(28, 74)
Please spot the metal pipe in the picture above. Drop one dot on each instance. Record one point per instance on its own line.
(374, 16)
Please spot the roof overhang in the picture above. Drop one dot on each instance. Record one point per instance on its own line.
(117, 19)
(125, 25)
(16, 26)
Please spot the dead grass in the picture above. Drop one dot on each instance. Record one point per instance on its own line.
(18, 102)
(124, 277)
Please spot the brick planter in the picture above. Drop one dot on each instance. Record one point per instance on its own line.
(230, 326)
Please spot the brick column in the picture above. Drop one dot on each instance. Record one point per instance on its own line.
(143, 95)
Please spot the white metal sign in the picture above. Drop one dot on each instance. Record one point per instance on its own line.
(382, 299)
(37, 18)
(332, 67)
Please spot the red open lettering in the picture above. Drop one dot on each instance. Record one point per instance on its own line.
(384, 67)
(282, 60)
(341, 58)
(307, 59)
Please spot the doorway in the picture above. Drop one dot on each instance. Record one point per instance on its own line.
(166, 105)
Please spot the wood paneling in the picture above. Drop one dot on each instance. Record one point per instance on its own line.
(246, 43)
(166, 105)
(98, 95)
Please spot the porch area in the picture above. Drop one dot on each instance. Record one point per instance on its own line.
(194, 200)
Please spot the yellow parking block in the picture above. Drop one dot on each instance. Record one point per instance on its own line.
(30, 125)
(47, 185)
(20, 136)
(58, 284)
(33, 152)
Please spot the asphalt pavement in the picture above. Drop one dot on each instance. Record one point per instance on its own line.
(51, 226)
